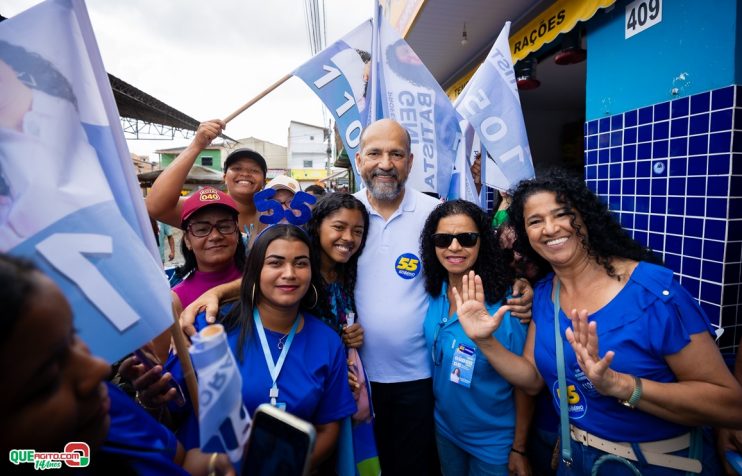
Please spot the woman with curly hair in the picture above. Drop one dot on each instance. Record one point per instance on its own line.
(637, 408)
(477, 431)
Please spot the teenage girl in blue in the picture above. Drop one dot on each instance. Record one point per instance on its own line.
(643, 373)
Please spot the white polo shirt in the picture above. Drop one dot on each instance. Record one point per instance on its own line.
(390, 292)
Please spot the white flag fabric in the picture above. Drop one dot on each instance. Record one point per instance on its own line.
(490, 102)
(69, 199)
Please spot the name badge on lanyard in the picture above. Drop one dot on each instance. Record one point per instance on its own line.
(462, 365)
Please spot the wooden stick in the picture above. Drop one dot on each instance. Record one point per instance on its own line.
(185, 361)
(257, 98)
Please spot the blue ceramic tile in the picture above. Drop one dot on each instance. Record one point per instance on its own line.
(645, 115)
(591, 172)
(697, 165)
(644, 151)
(699, 124)
(678, 166)
(602, 187)
(679, 127)
(720, 142)
(659, 205)
(692, 246)
(629, 135)
(737, 140)
(698, 145)
(602, 171)
(700, 102)
(738, 114)
(713, 250)
(614, 187)
(657, 222)
(592, 127)
(629, 118)
(660, 149)
(642, 205)
(657, 241)
(592, 142)
(627, 220)
(628, 186)
(716, 207)
(640, 237)
(676, 205)
(592, 185)
(734, 248)
(617, 122)
(691, 264)
(672, 261)
(661, 111)
(659, 186)
(680, 107)
(693, 227)
(674, 244)
(679, 147)
(661, 130)
(627, 204)
(736, 164)
(695, 206)
(735, 208)
(614, 171)
(616, 138)
(629, 153)
(732, 272)
(718, 186)
(591, 157)
(629, 170)
(696, 186)
(605, 124)
(645, 133)
(734, 231)
(690, 284)
(641, 221)
(643, 168)
(604, 140)
(615, 154)
(676, 186)
(715, 229)
(642, 187)
(675, 225)
(604, 156)
(722, 98)
(711, 292)
(721, 120)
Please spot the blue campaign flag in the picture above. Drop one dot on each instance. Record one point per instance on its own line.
(339, 76)
(409, 94)
(491, 104)
(69, 199)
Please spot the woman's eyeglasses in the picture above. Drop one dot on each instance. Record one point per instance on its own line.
(444, 240)
(202, 228)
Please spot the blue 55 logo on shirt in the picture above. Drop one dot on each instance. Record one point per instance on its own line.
(407, 266)
(576, 402)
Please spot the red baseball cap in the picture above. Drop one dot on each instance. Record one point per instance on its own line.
(206, 197)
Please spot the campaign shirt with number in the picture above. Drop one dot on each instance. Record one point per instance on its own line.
(390, 291)
(652, 317)
(479, 419)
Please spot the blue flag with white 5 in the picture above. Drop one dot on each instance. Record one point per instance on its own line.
(339, 76)
(69, 199)
(410, 95)
(491, 104)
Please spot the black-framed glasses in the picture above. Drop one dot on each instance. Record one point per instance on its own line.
(200, 229)
(444, 240)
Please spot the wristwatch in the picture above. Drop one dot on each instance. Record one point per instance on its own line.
(636, 395)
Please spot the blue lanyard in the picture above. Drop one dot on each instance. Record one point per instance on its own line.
(561, 376)
(273, 368)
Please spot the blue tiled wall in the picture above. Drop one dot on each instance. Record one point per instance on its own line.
(672, 174)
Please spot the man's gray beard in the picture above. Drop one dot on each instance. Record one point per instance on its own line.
(384, 192)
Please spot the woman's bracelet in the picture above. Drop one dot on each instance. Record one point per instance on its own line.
(522, 453)
(212, 464)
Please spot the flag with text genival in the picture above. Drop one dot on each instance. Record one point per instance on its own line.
(408, 93)
(69, 199)
(490, 102)
(339, 76)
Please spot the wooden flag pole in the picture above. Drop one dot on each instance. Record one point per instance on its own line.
(181, 347)
(257, 98)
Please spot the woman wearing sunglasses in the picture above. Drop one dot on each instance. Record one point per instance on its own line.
(481, 427)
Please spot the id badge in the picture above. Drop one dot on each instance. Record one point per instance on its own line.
(462, 365)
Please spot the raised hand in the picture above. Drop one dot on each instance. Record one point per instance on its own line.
(583, 337)
(473, 316)
(208, 131)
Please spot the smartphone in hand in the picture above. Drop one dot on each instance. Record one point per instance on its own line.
(149, 360)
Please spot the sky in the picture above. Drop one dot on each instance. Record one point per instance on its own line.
(206, 59)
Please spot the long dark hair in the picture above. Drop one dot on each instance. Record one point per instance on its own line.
(17, 285)
(604, 238)
(314, 302)
(190, 264)
(491, 263)
(327, 206)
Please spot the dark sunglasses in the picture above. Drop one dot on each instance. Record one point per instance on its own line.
(444, 240)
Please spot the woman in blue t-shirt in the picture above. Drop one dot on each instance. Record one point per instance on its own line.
(481, 424)
(642, 369)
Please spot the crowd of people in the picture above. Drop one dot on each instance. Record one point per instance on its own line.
(431, 322)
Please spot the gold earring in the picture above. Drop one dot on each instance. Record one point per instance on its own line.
(252, 297)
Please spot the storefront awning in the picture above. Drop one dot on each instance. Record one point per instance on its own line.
(560, 17)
